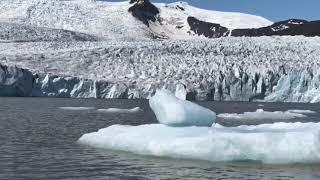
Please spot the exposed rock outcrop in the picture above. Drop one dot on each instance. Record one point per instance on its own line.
(210, 30)
(291, 27)
(144, 11)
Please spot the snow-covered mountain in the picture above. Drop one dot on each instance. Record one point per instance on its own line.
(87, 48)
(172, 21)
(102, 19)
(142, 19)
(119, 20)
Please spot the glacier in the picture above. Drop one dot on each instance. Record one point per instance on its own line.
(19, 82)
(173, 111)
(279, 143)
(10, 32)
(275, 69)
(95, 49)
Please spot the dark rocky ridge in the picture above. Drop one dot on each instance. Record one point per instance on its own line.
(291, 27)
(144, 11)
(210, 30)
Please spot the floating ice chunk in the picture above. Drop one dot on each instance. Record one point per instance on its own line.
(173, 111)
(181, 92)
(77, 108)
(268, 143)
(299, 111)
(260, 114)
(117, 110)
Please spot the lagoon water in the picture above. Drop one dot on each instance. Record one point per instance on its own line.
(38, 140)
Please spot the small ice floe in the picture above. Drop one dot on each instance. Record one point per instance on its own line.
(173, 111)
(77, 108)
(269, 143)
(117, 110)
(300, 111)
(260, 105)
(260, 114)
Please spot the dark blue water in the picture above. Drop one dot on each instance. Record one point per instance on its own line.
(38, 141)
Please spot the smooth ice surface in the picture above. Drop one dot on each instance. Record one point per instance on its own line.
(269, 143)
(260, 114)
(173, 111)
(77, 108)
(117, 110)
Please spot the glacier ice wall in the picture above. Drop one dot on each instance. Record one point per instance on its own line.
(15, 81)
(20, 82)
(226, 69)
(298, 86)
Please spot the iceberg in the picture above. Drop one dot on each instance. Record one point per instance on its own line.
(184, 133)
(117, 110)
(260, 114)
(173, 111)
(301, 111)
(278, 143)
(77, 108)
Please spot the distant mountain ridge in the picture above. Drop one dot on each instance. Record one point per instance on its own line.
(128, 20)
(207, 29)
(140, 20)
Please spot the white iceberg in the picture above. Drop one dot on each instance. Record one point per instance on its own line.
(77, 108)
(260, 114)
(268, 143)
(118, 110)
(301, 111)
(173, 111)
